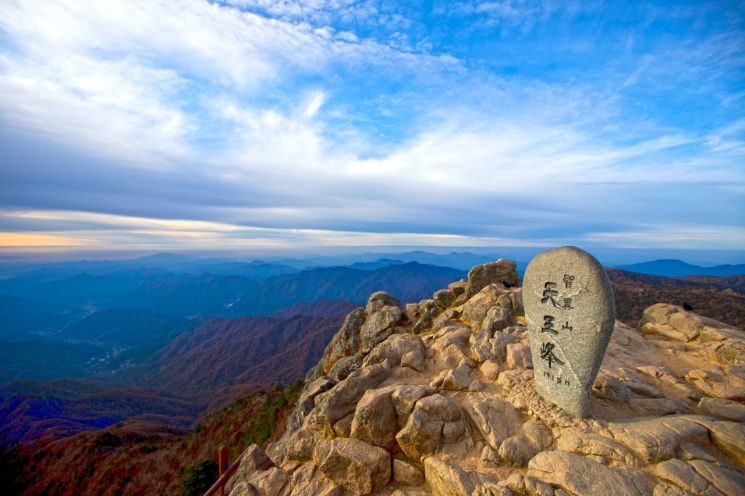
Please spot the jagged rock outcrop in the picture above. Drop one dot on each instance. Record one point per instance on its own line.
(439, 399)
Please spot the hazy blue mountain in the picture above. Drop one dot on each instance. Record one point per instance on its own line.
(30, 274)
(456, 260)
(253, 270)
(377, 264)
(678, 268)
(24, 318)
(321, 308)
(161, 259)
(42, 360)
(208, 294)
(407, 282)
(124, 327)
(70, 288)
(191, 294)
(160, 291)
(297, 263)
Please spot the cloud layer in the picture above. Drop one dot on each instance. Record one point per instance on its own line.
(190, 124)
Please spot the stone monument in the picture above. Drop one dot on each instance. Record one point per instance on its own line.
(570, 313)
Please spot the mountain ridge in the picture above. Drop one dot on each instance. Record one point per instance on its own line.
(678, 268)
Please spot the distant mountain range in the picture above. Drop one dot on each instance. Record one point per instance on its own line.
(207, 330)
(678, 268)
(124, 328)
(61, 323)
(43, 302)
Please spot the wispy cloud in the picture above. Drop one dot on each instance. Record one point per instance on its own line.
(158, 122)
(674, 236)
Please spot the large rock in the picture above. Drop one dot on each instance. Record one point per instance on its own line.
(580, 475)
(407, 474)
(271, 481)
(308, 480)
(341, 400)
(497, 318)
(596, 445)
(423, 315)
(358, 467)
(253, 460)
(444, 297)
(257, 475)
(701, 477)
(242, 488)
(518, 356)
(730, 438)
(658, 439)
(345, 366)
(502, 272)
(383, 313)
(435, 421)
(496, 419)
(457, 379)
(379, 300)
(300, 443)
(375, 419)
(725, 479)
(570, 312)
(447, 479)
(393, 349)
(726, 409)
(450, 347)
(519, 448)
(718, 341)
(346, 342)
(676, 323)
(477, 307)
(670, 321)
(728, 382)
(381, 413)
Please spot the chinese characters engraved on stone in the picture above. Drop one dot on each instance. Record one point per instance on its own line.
(570, 315)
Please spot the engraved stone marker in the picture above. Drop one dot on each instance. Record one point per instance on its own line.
(570, 313)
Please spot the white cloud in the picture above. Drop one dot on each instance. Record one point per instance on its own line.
(127, 110)
(327, 12)
(522, 14)
(220, 43)
(673, 236)
(151, 233)
(125, 79)
(235, 97)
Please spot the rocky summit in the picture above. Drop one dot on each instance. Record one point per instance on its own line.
(439, 398)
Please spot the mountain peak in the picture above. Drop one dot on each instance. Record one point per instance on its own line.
(441, 397)
(163, 257)
(677, 268)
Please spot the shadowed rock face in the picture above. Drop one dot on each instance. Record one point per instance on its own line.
(442, 401)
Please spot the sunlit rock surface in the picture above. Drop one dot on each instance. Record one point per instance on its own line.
(439, 399)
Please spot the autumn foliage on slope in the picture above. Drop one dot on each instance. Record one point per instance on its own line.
(711, 297)
(134, 458)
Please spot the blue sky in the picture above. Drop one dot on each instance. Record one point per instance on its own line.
(270, 125)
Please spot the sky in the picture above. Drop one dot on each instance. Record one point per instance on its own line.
(270, 125)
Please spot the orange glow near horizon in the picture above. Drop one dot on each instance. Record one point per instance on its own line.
(25, 239)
